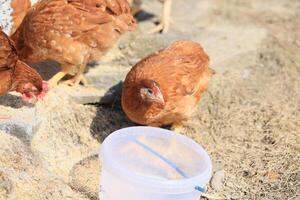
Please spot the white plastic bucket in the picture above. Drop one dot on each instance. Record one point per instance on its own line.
(146, 163)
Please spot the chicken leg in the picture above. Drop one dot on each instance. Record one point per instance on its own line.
(135, 6)
(165, 22)
(56, 78)
(78, 78)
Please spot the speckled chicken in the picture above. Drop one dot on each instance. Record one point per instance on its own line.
(165, 87)
(166, 14)
(16, 75)
(12, 13)
(72, 32)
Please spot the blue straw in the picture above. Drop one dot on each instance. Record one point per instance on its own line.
(170, 163)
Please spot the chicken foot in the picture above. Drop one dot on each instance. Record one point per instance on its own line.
(75, 81)
(164, 25)
(78, 78)
(178, 128)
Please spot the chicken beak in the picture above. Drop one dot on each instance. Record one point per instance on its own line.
(34, 99)
(160, 99)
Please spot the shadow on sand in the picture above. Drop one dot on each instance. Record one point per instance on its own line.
(13, 101)
(109, 116)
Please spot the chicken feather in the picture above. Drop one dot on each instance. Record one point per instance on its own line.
(176, 77)
(72, 32)
(16, 75)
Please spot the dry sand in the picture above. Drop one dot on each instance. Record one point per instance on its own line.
(248, 121)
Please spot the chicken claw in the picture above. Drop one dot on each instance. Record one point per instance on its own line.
(76, 80)
(165, 23)
(157, 28)
(178, 128)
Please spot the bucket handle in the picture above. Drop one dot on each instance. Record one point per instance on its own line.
(168, 162)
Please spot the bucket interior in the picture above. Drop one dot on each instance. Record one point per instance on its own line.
(157, 154)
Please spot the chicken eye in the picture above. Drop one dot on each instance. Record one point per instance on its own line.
(98, 5)
(149, 92)
(34, 90)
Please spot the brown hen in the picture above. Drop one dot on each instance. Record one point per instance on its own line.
(165, 87)
(72, 32)
(16, 75)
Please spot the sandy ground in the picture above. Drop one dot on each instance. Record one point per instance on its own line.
(248, 120)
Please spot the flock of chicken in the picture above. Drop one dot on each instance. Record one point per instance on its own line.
(161, 89)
